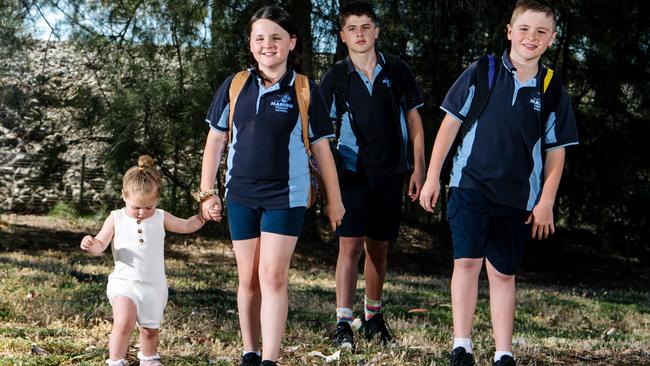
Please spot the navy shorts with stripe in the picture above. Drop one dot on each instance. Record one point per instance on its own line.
(247, 223)
(481, 228)
(373, 205)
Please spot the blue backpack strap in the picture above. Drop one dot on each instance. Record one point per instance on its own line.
(491, 70)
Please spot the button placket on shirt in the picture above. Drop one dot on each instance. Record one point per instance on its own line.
(140, 232)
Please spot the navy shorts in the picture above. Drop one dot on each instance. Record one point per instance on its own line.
(247, 223)
(373, 205)
(481, 228)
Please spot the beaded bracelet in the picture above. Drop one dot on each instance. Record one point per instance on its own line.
(202, 195)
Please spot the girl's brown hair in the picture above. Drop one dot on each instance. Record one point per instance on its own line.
(280, 17)
(142, 179)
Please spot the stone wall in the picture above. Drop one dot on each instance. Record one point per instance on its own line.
(41, 144)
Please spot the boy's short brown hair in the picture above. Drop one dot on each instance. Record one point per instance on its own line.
(357, 8)
(539, 6)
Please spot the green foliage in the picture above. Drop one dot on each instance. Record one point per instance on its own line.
(63, 210)
(160, 63)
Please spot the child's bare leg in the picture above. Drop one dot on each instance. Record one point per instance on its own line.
(275, 257)
(375, 267)
(249, 297)
(124, 315)
(350, 249)
(149, 338)
(464, 292)
(502, 307)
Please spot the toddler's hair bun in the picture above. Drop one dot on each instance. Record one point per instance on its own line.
(145, 161)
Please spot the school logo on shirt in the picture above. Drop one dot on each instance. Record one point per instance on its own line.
(282, 104)
(537, 103)
(386, 81)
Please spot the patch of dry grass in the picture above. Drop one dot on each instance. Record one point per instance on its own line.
(52, 296)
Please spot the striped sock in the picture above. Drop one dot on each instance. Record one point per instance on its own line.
(371, 307)
(344, 315)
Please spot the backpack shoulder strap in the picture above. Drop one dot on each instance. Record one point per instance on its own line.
(551, 93)
(487, 69)
(236, 86)
(340, 74)
(394, 73)
(303, 95)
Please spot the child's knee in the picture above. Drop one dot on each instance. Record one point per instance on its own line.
(468, 264)
(250, 284)
(148, 333)
(274, 279)
(122, 328)
(495, 276)
(351, 247)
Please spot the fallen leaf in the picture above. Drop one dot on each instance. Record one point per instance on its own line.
(356, 324)
(418, 310)
(334, 357)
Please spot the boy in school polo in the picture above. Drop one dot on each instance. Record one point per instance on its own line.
(270, 171)
(504, 178)
(381, 116)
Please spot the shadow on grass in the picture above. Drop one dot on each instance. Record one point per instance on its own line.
(567, 260)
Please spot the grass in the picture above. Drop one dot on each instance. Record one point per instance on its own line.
(52, 296)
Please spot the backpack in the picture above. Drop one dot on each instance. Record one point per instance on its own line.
(487, 69)
(303, 95)
(341, 85)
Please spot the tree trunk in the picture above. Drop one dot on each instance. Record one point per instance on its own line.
(300, 11)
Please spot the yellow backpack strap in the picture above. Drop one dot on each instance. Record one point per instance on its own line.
(303, 95)
(236, 86)
(547, 78)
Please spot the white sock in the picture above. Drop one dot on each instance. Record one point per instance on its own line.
(243, 353)
(142, 357)
(498, 354)
(121, 362)
(463, 342)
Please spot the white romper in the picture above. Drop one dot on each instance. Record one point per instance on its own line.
(139, 253)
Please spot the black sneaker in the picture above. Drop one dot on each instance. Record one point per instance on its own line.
(251, 359)
(460, 357)
(376, 328)
(268, 363)
(343, 335)
(505, 361)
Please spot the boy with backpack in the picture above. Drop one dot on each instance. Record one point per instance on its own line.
(374, 99)
(515, 119)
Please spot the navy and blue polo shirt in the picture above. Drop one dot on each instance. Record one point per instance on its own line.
(377, 143)
(267, 163)
(501, 155)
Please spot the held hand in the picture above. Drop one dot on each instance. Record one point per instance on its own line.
(88, 242)
(429, 194)
(211, 209)
(415, 185)
(542, 221)
(335, 212)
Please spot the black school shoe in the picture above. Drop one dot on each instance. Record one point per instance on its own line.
(376, 328)
(505, 361)
(460, 357)
(268, 363)
(343, 335)
(251, 359)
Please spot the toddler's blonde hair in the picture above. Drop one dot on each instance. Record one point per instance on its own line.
(142, 179)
